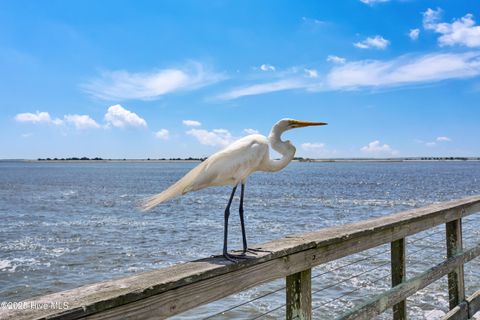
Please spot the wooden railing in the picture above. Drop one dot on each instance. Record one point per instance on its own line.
(165, 292)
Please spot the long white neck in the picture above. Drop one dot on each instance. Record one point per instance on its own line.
(285, 148)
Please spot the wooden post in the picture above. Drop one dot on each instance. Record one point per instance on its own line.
(456, 285)
(299, 295)
(398, 267)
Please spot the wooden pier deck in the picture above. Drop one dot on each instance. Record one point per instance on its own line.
(169, 291)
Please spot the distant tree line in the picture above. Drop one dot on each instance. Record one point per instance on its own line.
(70, 159)
(449, 158)
(301, 159)
(98, 158)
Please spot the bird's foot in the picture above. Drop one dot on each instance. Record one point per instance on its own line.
(256, 250)
(235, 257)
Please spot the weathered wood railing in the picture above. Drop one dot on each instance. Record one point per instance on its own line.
(169, 291)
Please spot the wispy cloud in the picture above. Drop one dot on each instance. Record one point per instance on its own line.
(279, 85)
(192, 123)
(372, 2)
(81, 121)
(250, 131)
(123, 85)
(376, 148)
(312, 21)
(336, 59)
(414, 34)
(437, 141)
(37, 117)
(405, 70)
(376, 42)
(443, 139)
(313, 146)
(120, 117)
(216, 137)
(311, 73)
(162, 134)
(316, 149)
(267, 67)
(431, 18)
(463, 31)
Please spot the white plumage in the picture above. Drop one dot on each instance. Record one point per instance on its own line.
(229, 166)
(232, 166)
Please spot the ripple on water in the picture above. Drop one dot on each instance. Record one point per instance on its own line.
(64, 225)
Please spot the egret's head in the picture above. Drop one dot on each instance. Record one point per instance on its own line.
(287, 124)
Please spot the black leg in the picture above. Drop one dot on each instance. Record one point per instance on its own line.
(242, 222)
(225, 234)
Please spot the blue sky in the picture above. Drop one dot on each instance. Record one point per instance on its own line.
(138, 79)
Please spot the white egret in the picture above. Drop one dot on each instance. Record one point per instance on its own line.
(232, 166)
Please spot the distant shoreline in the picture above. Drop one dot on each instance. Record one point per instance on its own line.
(187, 160)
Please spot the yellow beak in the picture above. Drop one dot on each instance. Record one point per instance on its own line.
(299, 124)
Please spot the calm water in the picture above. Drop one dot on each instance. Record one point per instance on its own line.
(68, 224)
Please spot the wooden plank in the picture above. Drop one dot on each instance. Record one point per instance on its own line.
(473, 304)
(398, 267)
(299, 295)
(456, 283)
(387, 299)
(172, 290)
(459, 312)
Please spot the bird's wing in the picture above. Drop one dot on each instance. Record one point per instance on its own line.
(229, 166)
(232, 165)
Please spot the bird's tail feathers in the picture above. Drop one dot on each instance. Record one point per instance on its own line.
(179, 188)
(155, 200)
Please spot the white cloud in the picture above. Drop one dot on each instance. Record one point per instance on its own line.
(311, 73)
(81, 121)
(313, 22)
(33, 117)
(431, 18)
(404, 70)
(216, 137)
(267, 67)
(118, 116)
(38, 117)
(162, 134)
(377, 148)
(316, 149)
(336, 59)
(120, 85)
(461, 31)
(443, 139)
(313, 146)
(372, 2)
(192, 123)
(377, 42)
(250, 131)
(280, 85)
(434, 143)
(414, 33)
